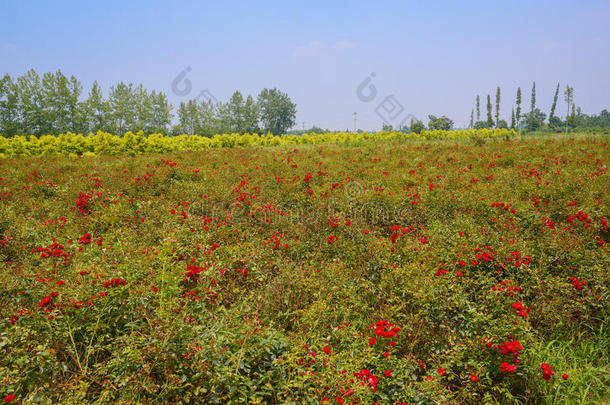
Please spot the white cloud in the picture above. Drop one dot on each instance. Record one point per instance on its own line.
(311, 49)
(344, 44)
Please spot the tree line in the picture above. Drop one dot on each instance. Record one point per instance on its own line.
(54, 104)
(535, 119)
(530, 120)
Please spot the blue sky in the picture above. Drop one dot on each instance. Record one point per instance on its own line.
(433, 57)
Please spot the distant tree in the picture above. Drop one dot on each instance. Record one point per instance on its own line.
(251, 116)
(386, 127)
(569, 98)
(207, 118)
(441, 123)
(534, 120)
(96, 110)
(471, 119)
(30, 103)
(417, 126)
(223, 121)
(490, 121)
(533, 101)
(555, 122)
(497, 107)
(235, 108)
(160, 113)
(142, 110)
(10, 121)
(512, 119)
(518, 112)
(277, 111)
(553, 106)
(478, 108)
(188, 117)
(122, 108)
(502, 124)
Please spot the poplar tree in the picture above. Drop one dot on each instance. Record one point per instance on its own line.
(552, 114)
(533, 102)
(569, 97)
(518, 113)
(490, 120)
(497, 107)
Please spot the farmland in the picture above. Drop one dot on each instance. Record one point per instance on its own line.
(388, 271)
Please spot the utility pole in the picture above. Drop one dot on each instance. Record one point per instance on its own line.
(355, 127)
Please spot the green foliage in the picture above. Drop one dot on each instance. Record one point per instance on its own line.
(518, 102)
(277, 111)
(441, 123)
(417, 127)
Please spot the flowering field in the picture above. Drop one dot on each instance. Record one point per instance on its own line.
(419, 271)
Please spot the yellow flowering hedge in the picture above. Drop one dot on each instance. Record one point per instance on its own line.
(103, 143)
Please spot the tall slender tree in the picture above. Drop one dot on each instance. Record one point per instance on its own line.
(497, 107)
(512, 119)
(490, 120)
(554, 105)
(10, 123)
(533, 101)
(518, 112)
(471, 119)
(96, 110)
(251, 114)
(569, 98)
(478, 108)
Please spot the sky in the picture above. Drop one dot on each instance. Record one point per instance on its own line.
(384, 60)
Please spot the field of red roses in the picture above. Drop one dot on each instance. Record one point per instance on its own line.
(413, 272)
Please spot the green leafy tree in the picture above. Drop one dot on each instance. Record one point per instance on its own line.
(490, 120)
(440, 123)
(533, 100)
(512, 119)
(9, 111)
(471, 119)
(122, 109)
(251, 116)
(188, 117)
(498, 107)
(277, 111)
(223, 120)
(535, 120)
(417, 126)
(30, 103)
(518, 112)
(96, 110)
(142, 109)
(160, 113)
(569, 98)
(478, 108)
(235, 113)
(207, 118)
(553, 106)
